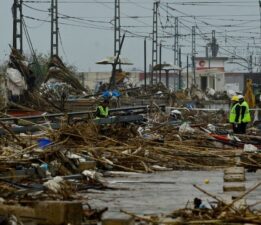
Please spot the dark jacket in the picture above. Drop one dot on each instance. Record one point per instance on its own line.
(237, 113)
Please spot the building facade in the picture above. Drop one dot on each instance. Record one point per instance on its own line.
(210, 73)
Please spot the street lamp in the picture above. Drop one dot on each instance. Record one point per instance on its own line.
(167, 67)
(113, 61)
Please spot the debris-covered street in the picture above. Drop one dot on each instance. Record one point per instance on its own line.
(154, 168)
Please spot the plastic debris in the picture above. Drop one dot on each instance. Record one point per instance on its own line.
(250, 148)
(186, 128)
(54, 184)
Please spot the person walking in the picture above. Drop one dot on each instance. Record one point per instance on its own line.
(245, 116)
(234, 115)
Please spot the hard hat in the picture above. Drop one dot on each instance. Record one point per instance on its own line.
(175, 111)
(235, 98)
(240, 97)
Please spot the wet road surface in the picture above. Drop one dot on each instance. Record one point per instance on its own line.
(164, 192)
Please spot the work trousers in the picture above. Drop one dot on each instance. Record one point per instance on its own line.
(235, 128)
(242, 128)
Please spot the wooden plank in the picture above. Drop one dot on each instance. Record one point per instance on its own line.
(88, 165)
(234, 187)
(234, 177)
(234, 170)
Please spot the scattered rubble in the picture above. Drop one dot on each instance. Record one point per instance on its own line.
(49, 168)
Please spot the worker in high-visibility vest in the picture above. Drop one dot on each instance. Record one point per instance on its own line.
(245, 116)
(234, 115)
(103, 109)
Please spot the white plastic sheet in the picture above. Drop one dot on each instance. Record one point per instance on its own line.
(15, 81)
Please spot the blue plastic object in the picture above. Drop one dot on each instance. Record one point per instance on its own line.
(44, 166)
(106, 94)
(190, 105)
(44, 142)
(116, 93)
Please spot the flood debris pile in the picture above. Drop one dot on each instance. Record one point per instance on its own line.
(152, 145)
(37, 181)
(210, 94)
(122, 149)
(191, 97)
(58, 71)
(60, 85)
(155, 89)
(22, 75)
(38, 86)
(203, 117)
(42, 170)
(55, 87)
(21, 86)
(136, 148)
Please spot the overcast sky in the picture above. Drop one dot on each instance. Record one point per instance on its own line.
(87, 36)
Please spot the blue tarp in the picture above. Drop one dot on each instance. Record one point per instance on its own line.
(108, 94)
(116, 93)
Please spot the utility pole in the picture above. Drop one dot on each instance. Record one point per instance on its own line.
(180, 66)
(112, 84)
(250, 64)
(154, 39)
(260, 17)
(54, 28)
(160, 61)
(167, 78)
(117, 28)
(194, 53)
(187, 71)
(18, 25)
(214, 45)
(176, 41)
(145, 63)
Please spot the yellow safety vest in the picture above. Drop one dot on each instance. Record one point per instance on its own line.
(232, 115)
(247, 116)
(103, 112)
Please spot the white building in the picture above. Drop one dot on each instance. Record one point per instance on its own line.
(210, 73)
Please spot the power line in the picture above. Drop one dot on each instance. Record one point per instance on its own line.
(36, 9)
(69, 24)
(61, 42)
(235, 22)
